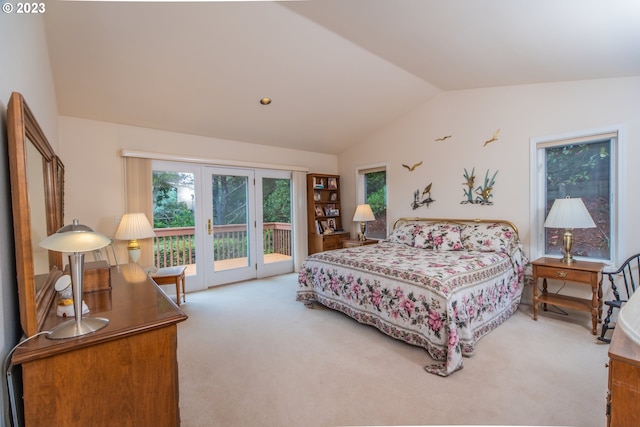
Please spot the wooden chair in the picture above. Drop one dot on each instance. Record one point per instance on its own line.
(629, 274)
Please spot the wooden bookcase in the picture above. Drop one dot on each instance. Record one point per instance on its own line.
(324, 212)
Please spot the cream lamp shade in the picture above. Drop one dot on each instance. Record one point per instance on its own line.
(76, 239)
(568, 213)
(362, 215)
(133, 227)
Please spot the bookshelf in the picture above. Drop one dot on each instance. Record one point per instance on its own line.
(324, 213)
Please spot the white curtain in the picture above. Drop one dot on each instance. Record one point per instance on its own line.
(300, 246)
(139, 198)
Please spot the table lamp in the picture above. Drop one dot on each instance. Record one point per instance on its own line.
(568, 213)
(132, 227)
(363, 214)
(76, 239)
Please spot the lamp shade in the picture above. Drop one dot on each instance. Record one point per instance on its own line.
(364, 213)
(134, 226)
(75, 237)
(569, 213)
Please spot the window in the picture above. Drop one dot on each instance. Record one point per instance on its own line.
(372, 189)
(584, 166)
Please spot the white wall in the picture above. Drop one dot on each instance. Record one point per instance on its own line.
(94, 173)
(24, 68)
(471, 117)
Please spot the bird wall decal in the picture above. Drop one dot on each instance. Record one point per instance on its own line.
(443, 138)
(412, 168)
(426, 197)
(494, 138)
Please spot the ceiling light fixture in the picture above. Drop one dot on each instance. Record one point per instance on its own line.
(265, 101)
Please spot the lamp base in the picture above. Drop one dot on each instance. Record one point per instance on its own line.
(134, 255)
(363, 230)
(567, 241)
(72, 328)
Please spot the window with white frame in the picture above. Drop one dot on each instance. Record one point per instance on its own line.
(372, 189)
(585, 166)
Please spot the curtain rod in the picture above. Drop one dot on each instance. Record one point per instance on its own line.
(203, 160)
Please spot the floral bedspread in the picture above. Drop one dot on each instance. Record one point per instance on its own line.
(443, 301)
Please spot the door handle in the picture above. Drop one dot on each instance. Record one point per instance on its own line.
(209, 227)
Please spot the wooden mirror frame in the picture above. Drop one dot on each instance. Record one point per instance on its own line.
(23, 131)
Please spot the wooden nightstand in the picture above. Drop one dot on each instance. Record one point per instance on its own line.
(356, 242)
(587, 273)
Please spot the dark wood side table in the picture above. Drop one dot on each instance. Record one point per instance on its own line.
(356, 242)
(586, 273)
(170, 275)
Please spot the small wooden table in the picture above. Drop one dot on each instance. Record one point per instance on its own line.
(587, 273)
(170, 275)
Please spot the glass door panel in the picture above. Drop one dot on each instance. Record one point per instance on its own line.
(174, 218)
(229, 225)
(274, 209)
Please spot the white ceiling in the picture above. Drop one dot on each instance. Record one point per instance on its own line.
(337, 70)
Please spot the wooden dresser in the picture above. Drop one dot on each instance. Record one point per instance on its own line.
(123, 375)
(624, 381)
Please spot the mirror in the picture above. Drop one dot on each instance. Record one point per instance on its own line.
(37, 181)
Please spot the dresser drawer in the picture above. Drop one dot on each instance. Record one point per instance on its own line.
(564, 274)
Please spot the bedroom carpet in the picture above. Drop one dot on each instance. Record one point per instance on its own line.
(250, 355)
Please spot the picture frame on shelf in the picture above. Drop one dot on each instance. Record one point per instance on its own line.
(317, 196)
(318, 183)
(332, 184)
(319, 211)
(319, 228)
(333, 197)
(328, 208)
(325, 226)
(332, 224)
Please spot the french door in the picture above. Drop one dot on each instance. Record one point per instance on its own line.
(224, 224)
(248, 224)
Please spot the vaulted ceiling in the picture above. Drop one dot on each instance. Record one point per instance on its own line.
(336, 70)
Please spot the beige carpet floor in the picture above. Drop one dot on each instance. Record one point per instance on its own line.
(250, 355)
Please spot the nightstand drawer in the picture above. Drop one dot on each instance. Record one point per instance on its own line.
(564, 274)
(334, 241)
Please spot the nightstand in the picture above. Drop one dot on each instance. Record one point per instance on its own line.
(356, 242)
(583, 272)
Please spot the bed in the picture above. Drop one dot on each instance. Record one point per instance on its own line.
(441, 284)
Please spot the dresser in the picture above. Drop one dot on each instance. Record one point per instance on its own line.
(125, 374)
(624, 381)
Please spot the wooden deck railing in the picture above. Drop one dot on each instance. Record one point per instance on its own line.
(176, 246)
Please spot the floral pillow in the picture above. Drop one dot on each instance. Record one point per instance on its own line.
(441, 237)
(488, 238)
(403, 234)
(424, 236)
(448, 238)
